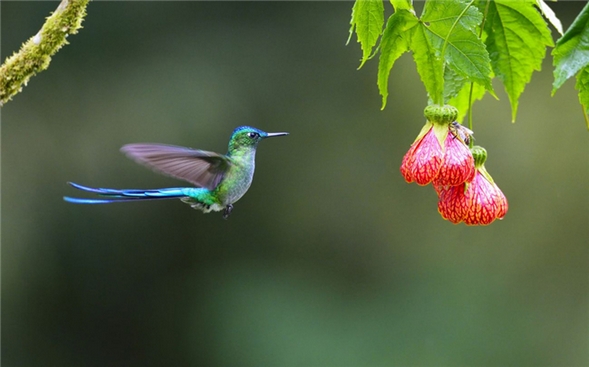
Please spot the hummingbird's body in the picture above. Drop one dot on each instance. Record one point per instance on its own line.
(232, 187)
(221, 180)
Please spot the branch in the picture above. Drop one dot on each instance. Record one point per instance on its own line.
(35, 54)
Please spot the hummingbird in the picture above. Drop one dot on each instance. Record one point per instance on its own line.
(220, 179)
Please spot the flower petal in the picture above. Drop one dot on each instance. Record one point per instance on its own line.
(408, 161)
(423, 160)
(484, 204)
(501, 202)
(453, 203)
(458, 163)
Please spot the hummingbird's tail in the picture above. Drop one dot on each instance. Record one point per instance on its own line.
(127, 195)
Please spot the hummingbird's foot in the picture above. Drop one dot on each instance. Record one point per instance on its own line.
(227, 211)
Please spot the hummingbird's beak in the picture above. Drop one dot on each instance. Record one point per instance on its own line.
(275, 134)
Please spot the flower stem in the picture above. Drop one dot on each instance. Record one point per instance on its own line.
(471, 142)
(470, 102)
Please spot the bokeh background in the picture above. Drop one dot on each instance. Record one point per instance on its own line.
(331, 259)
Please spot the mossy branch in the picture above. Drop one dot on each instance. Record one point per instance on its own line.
(35, 54)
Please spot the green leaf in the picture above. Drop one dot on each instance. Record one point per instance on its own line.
(461, 100)
(402, 5)
(445, 13)
(367, 20)
(517, 37)
(453, 83)
(571, 53)
(457, 92)
(583, 87)
(395, 42)
(450, 27)
(429, 65)
(549, 14)
(466, 54)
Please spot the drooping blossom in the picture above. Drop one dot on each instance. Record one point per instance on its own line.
(424, 159)
(479, 202)
(458, 163)
(438, 154)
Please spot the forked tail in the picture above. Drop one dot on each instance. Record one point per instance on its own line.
(116, 196)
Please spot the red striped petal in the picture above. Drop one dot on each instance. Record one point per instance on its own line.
(458, 163)
(453, 203)
(487, 202)
(423, 160)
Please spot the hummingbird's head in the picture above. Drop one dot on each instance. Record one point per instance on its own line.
(247, 136)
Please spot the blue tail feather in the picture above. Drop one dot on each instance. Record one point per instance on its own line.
(70, 199)
(126, 195)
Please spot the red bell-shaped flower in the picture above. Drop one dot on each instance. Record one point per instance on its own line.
(479, 202)
(458, 163)
(424, 159)
(439, 154)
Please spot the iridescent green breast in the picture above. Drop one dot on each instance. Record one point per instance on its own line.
(238, 178)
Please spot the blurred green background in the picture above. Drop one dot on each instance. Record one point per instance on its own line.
(331, 259)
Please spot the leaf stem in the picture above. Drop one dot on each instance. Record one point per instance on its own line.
(470, 111)
(470, 123)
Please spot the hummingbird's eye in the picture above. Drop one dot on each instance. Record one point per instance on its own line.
(253, 135)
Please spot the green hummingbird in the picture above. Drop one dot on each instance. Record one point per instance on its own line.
(220, 180)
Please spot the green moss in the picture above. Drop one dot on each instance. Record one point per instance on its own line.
(35, 54)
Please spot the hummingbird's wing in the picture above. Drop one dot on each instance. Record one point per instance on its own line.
(199, 167)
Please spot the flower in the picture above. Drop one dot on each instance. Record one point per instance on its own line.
(479, 202)
(424, 159)
(458, 163)
(439, 154)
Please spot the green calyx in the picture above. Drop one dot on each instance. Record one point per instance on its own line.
(424, 130)
(479, 154)
(441, 115)
(441, 132)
